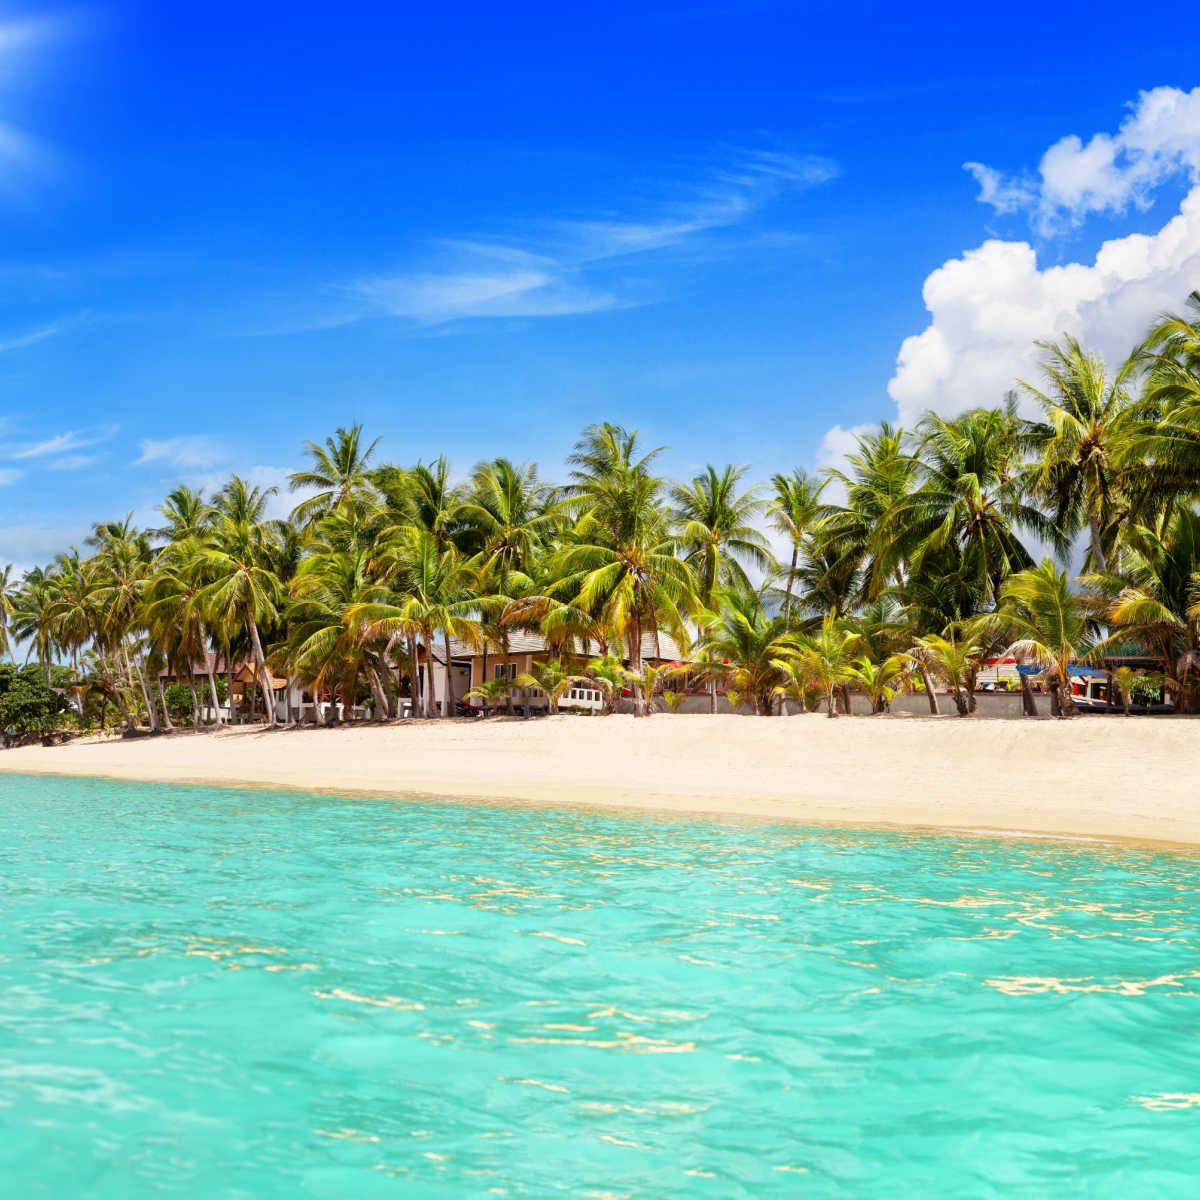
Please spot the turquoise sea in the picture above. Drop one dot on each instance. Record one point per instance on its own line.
(219, 993)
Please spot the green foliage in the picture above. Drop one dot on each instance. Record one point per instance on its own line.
(29, 710)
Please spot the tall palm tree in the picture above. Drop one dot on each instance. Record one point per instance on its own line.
(8, 588)
(508, 515)
(240, 586)
(426, 592)
(793, 509)
(1088, 425)
(713, 522)
(850, 539)
(339, 475)
(968, 504)
(621, 563)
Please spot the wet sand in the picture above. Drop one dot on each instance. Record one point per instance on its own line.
(1106, 777)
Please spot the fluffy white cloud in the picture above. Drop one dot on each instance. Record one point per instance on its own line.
(989, 306)
(832, 451)
(1107, 173)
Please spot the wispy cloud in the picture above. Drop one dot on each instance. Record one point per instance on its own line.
(73, 462)
(553, 270)
(192, 451)
(9, 475)
(28, 339)
(73, 439)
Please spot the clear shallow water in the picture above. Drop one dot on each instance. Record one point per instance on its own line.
(208, 992)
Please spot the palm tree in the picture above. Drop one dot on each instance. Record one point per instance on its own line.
(326, 647)
(339, 475)
(551, 677)
(491, 692)
(850, 540)
(882, 681)
(426, 592)
(955, 661)
(823, 660)
(741, 647)
(1051, 623)
(1151, 600)
(714, 530)
(793, 509)
(621, 565)
(240, 586)
(1088, 426)
(7, 593)
(968, 505)
(507, 515)
(1123, 679)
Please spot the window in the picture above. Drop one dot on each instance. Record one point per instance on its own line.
(498, 671)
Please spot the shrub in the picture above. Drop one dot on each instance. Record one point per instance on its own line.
(28, 708)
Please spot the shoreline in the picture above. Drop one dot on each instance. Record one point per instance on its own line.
(1109, 779)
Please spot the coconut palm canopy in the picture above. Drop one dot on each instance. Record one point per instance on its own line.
(903, 567)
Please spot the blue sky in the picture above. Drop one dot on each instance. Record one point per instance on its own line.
(476, 228)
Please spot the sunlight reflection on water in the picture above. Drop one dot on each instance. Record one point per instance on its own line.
(211, 992)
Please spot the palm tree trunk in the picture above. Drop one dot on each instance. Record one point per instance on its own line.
(429, 713)
(787, 594)
(191, 677)
(381, 705)
(260, 664)
(212, 679)
(1097, 552)
(233, 714)
(830, 705)
(414, 678)
(1028, 703)
(162, 699)
(449, 710)
(635, 663)
(140, 678)
(930, 690)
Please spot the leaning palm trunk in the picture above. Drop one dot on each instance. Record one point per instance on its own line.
(930, 690)
(140, 678)
(260, 665)
(381, 705)
(162, 700)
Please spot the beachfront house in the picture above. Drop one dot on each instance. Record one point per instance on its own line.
(471, 665)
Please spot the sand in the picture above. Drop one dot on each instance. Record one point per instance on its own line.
(1105, 777)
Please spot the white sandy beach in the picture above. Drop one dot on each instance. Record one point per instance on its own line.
(1100, 777)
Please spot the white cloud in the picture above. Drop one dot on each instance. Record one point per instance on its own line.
(73, 439)
(73, 462)
(832, 451)
(9, 475)
(988, 306)
(1109, 172)
(549, 275)
(192, 451)
(28, 339)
